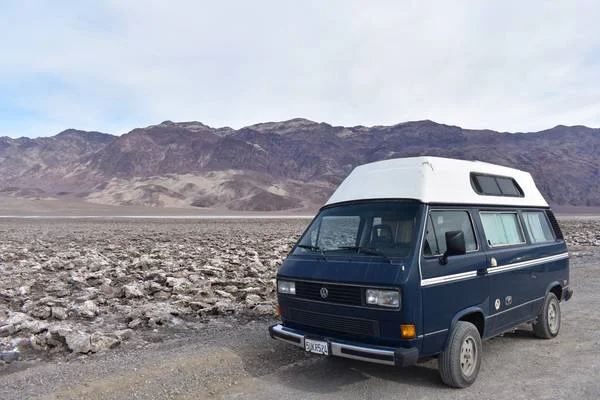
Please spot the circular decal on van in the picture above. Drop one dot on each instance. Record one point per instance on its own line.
(324, 292)
(497, 304)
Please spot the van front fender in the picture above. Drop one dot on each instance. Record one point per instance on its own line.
(474, 314)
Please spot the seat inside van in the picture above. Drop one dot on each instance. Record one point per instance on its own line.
(381, 236)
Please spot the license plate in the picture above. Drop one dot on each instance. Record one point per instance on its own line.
(316, 346)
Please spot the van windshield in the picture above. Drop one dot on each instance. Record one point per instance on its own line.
(383, 229)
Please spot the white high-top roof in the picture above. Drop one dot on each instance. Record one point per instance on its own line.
(432, 180)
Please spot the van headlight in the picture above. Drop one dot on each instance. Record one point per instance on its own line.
(385, 298)
(286, 287)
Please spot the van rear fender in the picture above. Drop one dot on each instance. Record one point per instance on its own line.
(556, 288)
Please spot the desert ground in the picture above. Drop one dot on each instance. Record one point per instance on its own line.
(178, 308)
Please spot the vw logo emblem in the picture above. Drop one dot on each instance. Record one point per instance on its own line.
(324, 292)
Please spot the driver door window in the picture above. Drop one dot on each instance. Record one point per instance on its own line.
(440, 222)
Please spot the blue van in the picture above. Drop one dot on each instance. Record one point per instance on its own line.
(424, 257)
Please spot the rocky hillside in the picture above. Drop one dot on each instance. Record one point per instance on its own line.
(276, 165)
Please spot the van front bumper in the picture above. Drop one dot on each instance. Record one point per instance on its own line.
(400, 357)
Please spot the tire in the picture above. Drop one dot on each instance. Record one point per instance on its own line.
(459, 364)
(547, 323)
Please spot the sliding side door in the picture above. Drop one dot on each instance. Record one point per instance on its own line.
(513, 290)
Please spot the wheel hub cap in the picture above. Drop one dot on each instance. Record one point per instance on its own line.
(552, 318)
(468, 356)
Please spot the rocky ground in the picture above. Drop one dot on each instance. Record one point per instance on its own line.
(72, 287)
(83, 286)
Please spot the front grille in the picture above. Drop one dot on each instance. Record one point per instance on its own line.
(340, 294)
(335, 323)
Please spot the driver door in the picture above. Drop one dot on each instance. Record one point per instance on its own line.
(455, 286)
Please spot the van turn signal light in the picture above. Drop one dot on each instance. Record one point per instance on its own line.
(408, 331)
(277, 311)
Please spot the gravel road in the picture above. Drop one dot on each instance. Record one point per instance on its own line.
(232, 357)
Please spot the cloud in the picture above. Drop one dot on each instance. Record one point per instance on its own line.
(113, 65)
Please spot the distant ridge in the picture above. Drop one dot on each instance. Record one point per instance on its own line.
(276, 165)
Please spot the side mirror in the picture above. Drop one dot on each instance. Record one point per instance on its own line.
(455, 245)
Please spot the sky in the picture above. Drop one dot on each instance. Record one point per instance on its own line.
(112, 65)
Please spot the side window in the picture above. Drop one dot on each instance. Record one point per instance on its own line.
(493, 185)
(488, 185)
(502, 228)
(430, 247)
(440, 222)
(538, 226)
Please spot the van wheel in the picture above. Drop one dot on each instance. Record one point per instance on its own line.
(460, 362)
(547, 324)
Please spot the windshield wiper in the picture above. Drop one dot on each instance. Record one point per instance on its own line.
(313, 248)
(366, 250)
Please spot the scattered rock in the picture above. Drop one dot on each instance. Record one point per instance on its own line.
(59, 313)
(89, 309)
(132, 291)
(123, 334)
(24, 290)
(136, 323)
(252, 299)
(100, 342)
(162, 295)
(41, 312)
(153, 287)
(264, 309)
(179, 285)
(34, 326)
(225, 294)
(78, 342)
(225, 307)
(51, 339)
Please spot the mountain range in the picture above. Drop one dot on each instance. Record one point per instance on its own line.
(276, 165)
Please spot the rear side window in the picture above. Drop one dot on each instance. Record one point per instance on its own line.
(502, 228)
(440, 222)
(508, 187)
(487, 185)
(538, 227)
(492, 185)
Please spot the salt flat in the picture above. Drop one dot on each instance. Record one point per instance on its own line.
(81, 299)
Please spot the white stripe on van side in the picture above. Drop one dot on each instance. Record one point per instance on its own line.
(494, 270)
(448, 278)
(528, 263)
(436, 332)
